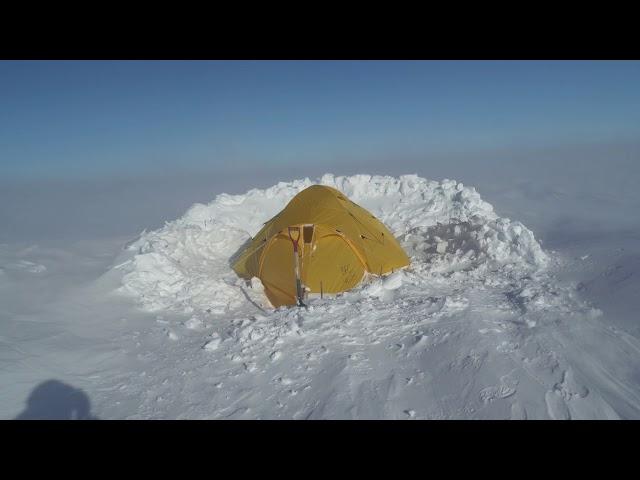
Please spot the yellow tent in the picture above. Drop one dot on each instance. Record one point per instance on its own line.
(339, 242)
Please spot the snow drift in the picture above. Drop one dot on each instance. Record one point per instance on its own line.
(443, 226)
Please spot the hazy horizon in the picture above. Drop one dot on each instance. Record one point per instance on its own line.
(117, 119)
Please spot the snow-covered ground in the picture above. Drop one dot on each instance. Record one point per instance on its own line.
(493, 319)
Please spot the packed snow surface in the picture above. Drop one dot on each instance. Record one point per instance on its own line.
(476, 327)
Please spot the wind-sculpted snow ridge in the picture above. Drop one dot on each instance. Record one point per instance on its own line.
(445, 227)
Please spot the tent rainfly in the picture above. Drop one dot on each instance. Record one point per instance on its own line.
(321, 242)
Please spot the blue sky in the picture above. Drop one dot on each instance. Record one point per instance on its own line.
(98, 119)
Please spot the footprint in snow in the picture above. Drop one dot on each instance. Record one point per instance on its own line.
(213, 344)
(275, 355)
(570, 388)
(507, 347)
(489, 394)
(421, 342)
(396, 347)
(172, 335)
(194, 323)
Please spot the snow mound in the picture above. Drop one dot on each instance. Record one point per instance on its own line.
(445, 227)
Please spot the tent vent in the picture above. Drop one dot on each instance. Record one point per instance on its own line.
(307, 233)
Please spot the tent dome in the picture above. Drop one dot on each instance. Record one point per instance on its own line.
(339, 242)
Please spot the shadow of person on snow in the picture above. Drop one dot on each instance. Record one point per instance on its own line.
(54, 400)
